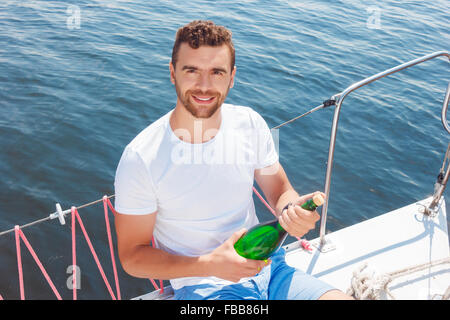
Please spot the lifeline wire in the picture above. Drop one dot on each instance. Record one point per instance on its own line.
(325, 104)
(50, 218)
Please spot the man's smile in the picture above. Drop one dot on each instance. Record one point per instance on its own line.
(203, 99)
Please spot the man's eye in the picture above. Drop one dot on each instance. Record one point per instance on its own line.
(217, 72)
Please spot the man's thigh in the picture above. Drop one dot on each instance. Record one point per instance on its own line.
(240, 291)
(288, 283)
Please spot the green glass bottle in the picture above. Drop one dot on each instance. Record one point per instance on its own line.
(260, 241)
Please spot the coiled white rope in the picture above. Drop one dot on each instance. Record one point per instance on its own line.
(368, 285)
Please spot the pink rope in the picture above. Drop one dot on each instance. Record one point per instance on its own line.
(105, 199)
(110, 206)
(74, 256)
(106, 202)
(264, 201)
(75, 213)
(19, 265)
(154, 284)
(19, 234)
(305, 244)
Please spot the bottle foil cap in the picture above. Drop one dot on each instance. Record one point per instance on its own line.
(318, 199)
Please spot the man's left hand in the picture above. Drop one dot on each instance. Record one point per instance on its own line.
(298, 221)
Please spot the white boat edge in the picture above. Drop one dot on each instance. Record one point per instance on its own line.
(391, 242)
(394, 241)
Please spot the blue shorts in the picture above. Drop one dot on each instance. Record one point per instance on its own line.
(279, 281)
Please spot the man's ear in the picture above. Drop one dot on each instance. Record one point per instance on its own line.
(233, 73)
(172, 72)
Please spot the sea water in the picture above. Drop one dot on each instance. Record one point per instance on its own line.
(79, 80)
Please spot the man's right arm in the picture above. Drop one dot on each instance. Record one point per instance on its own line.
(139, 259)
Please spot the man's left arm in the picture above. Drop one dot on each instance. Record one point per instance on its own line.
(278, 191)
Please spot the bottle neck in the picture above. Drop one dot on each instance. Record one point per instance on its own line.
(279, 227)
(309, 205)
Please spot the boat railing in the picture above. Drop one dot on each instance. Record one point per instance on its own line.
(323, 244)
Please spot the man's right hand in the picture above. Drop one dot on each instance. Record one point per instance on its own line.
(225, 263)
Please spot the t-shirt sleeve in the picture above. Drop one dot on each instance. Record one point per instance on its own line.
(266, 149)
(134, 191)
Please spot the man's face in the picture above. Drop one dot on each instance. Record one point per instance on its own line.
(202, 78)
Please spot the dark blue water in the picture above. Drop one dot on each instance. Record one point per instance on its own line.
(79, 79)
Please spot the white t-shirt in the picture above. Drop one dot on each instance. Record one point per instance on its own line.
(202, 193)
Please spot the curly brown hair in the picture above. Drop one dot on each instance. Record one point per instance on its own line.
(203, 33)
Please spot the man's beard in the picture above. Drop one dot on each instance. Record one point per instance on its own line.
(202, 111)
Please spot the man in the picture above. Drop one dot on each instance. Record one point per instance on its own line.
(187, 180)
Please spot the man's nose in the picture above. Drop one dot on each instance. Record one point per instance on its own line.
(204, 82)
